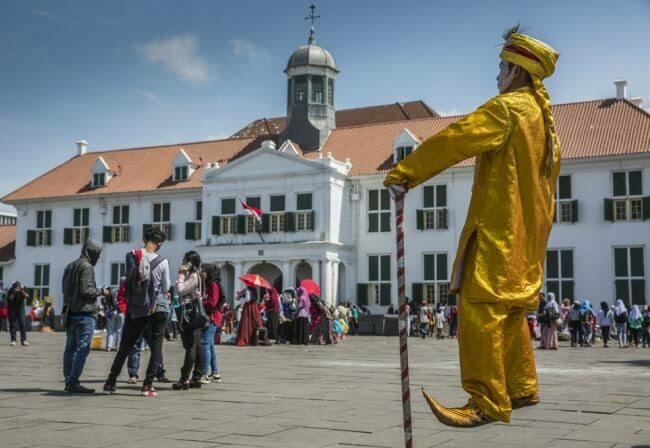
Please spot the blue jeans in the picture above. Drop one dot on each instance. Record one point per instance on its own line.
(209, 352)
(80, 335)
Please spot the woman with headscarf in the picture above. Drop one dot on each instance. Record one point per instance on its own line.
(213, 303)
(251, 320)
(604, 321)
(303, 310)
(549, 327)
(574, 324)
(635, 322)
(586, 314)
(620, 317)
(323, 333)
(453, 321)
(564, 315)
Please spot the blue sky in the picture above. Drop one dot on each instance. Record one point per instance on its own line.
(130, 73)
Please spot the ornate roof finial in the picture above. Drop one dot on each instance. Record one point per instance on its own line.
(312, 17)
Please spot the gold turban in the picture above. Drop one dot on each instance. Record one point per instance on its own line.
(539, 60)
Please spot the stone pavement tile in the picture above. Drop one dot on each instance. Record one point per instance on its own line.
(595, 408)
(634, 412)
(195, 435)
(165, 443)
(562, 443)
(532, 414)
(316, 436)
(264, 442)
(614, 429)
(643, 403)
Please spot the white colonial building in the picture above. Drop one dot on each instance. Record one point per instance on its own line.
(317, 175)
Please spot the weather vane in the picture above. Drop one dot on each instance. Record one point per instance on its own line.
(311, 15)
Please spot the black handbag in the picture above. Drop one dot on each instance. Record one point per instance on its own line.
(193, 315)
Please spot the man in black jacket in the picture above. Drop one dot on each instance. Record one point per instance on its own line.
(80, 300)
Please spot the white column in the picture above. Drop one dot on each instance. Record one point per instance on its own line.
(326, 286)
(335, 282)
(239, 271)
(286, 275)
(315, 271)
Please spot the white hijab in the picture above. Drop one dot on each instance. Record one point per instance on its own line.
(551, 303)
(620, 308)
(635, 313)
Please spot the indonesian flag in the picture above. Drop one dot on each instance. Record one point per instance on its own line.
(255, 212)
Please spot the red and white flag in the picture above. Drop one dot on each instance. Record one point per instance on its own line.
(255, 212)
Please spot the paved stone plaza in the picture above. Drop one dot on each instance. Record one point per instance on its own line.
(346, 395)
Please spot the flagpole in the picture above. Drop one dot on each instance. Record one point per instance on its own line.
(403, 321)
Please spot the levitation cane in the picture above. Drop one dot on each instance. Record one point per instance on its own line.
(403, 321)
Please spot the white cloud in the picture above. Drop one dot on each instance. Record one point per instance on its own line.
(56, 17)
(180, 55)
(148, 95)
(249, 50)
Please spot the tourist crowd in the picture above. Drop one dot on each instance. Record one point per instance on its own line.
(148, 308)
(582, 324)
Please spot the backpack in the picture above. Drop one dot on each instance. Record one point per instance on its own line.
(141, 297)
(621, 318)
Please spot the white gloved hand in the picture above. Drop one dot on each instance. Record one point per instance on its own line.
(396, 189)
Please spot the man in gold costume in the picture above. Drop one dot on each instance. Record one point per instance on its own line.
(499, 264)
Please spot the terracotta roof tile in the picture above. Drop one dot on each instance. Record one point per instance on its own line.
(137, 169)
(7, 243)
(347, 117)
(586, 129)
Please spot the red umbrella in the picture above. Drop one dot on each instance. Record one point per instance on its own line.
(311, 287)
(254, 280)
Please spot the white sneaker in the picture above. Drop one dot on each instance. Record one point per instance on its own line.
(25, 344)
(205, 380)
(216, 378)
(13, 343)
(132, 380)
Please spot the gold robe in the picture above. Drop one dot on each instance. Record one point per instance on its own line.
(511, 210)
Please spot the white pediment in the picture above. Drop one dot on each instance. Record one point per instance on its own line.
(406, 138)
(266, 162)
(100, 166)
(182, 159)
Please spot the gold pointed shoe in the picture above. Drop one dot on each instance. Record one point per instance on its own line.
(468, 416)
(522, 402)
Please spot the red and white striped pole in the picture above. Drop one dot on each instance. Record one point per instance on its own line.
(403, 321)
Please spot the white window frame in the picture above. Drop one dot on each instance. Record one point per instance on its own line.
(80, 232)
(304, 217)
(162, 224)
(432, 216)
(120, 230)
(563, 206)
(121, 272)
(276, 222)
(40, 289)
(99, 179)
(629, 206)
(403, 151)
(228, 220)
(435, 290)
(374, 286)
(560, 278)
(43, 233)
(629, 276)
(379, 211)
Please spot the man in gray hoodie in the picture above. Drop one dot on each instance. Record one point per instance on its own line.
(80, 301)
